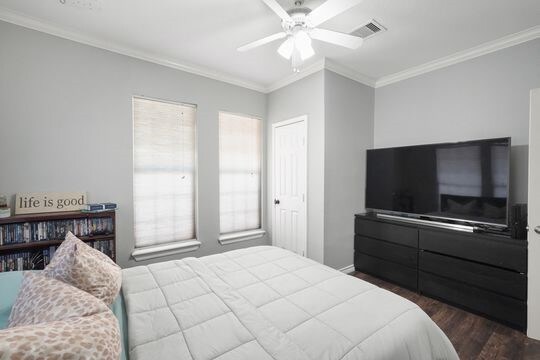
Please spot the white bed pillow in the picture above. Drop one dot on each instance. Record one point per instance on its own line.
(43, 299)
(54, 320)
(86, 268)
(94, 337)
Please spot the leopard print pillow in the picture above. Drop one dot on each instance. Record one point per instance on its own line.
(86, 268)
(94, 337)
(42, 299)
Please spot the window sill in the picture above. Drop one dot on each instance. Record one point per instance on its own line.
(152, 252)
(241, 236)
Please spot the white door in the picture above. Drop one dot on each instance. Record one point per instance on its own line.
(533, 304)
(289, 225)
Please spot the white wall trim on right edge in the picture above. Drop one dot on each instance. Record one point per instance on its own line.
(533, 275)
(461, 56)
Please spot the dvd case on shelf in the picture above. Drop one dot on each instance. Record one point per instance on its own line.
(54, 230)
(29, 242)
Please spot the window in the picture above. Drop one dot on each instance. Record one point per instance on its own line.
(239, 174)
(163, 172)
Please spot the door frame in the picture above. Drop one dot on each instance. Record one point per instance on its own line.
(297, 119)
(533, 249)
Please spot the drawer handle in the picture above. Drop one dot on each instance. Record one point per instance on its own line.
(537, 230)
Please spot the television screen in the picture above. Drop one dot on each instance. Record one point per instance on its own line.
(466, 181)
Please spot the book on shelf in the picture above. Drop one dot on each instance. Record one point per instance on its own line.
(93, 207)
(105, 246)
(18, 233)
(30, 242)
(38, 259)
(5, 213)
(27, 260)
(99, 207)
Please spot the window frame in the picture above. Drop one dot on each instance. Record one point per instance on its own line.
(245, 235)
(142, 253)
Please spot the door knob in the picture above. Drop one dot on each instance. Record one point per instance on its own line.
(537, 229)
(276, 201)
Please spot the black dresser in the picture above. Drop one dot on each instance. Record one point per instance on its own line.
(482, 273)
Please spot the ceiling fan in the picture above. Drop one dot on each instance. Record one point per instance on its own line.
(300, 25)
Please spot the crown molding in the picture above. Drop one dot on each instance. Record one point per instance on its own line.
(51, 29)
(324, 63)
(349, 73)
(461, 56)
(38, 25)
(294, 77)
(317, 66)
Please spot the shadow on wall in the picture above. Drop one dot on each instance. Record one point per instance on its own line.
(519, 174)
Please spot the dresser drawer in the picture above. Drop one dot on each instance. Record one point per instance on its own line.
(489, 251)
(402, 235)
(505, 309)
(501, 281)
(403, 255)
(388, 270)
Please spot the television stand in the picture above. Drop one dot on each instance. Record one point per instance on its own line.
(480, 272)
(485, 229)
(439, 224)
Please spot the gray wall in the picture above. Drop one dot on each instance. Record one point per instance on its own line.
(304, 97)
(348, 134)
(481, 98)
(59, 98)
(340, 129)
(66, 125)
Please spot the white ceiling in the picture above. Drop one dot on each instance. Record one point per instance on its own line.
(206, 33)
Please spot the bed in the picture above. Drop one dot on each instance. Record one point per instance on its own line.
(268, 303)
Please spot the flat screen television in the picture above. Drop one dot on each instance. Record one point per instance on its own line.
(465, 181)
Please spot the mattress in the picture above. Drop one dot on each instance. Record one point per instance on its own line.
(268, 303)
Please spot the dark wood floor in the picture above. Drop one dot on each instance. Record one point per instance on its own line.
(474, 337)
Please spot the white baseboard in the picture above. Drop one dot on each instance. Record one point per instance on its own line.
(347, 269)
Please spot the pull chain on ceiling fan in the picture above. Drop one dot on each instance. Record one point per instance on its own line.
(300, 27)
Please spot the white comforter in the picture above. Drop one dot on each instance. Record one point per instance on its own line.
(269, 303)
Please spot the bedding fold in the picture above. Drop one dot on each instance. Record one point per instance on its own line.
(269, 303)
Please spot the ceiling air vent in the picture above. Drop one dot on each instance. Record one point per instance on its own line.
(368, 30)
(83, 4)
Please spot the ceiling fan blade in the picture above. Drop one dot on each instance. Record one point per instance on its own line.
(329, 9)
(337, 38)
(274, 5)
(262, 41)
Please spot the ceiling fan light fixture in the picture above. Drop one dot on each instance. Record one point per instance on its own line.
(300, 26)
(297, 48)
(286, 49)
(302, 42)
(296, 60)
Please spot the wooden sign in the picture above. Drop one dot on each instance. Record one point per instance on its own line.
(31, 203)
